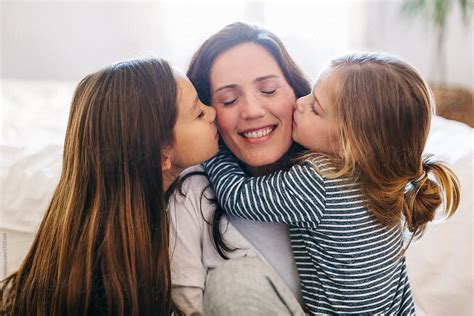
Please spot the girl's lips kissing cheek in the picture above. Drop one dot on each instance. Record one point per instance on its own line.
(258, 134)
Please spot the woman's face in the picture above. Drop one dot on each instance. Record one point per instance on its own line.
(195, 135)
(254, 104)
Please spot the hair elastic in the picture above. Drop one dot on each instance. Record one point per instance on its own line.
(414, 183)
(420, 178)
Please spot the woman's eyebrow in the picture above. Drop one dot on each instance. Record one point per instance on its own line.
(263, 78)
(229, 86)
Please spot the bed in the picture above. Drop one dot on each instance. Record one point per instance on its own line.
(34, 119)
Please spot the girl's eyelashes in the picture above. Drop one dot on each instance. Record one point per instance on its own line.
(313, 108)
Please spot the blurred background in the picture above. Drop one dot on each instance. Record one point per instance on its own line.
(65, 40)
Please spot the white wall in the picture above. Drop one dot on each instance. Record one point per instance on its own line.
(414, 39)
(65, 40)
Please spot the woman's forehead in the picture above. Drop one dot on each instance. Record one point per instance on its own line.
(243, 63)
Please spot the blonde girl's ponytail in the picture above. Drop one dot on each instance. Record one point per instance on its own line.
(425, 194)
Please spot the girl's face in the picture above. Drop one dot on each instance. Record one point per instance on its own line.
(254, 104)
(314, 122)
(195, 135)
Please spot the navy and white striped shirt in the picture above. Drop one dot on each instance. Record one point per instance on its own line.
(348, 262)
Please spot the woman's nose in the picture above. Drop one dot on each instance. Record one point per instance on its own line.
(252, 108)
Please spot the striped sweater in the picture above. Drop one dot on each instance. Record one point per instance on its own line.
(348, 263)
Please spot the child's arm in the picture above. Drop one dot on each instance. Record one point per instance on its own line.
(296, 195)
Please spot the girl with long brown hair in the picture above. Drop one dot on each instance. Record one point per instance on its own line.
(102, 247)
(365, 179)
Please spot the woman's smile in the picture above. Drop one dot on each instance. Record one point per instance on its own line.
(259, 134)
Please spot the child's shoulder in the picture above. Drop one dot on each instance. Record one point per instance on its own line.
(328, 169)
(194, 196)
(194, 182)
(318, 159)
(320, 163)
(197, 174)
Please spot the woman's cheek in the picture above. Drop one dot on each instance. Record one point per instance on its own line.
(226, 120)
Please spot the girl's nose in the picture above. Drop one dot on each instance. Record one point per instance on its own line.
(300, 104)
(212, 114)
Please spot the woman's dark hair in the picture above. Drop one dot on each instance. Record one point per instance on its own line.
(102, 247)
(235, 34)
(200, 68)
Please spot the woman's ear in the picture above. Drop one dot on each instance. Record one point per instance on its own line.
(165, 159)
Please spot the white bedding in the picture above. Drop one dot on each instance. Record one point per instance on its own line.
(34, 118)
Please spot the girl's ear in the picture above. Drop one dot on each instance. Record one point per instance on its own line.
(166, 159)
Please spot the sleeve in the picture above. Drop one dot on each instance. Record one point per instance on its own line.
(294, 196)
(188, 273)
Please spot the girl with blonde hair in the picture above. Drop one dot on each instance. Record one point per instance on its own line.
(364, 180)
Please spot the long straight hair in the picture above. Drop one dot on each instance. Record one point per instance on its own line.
(102, 247)
(199, 72)
(384, 108)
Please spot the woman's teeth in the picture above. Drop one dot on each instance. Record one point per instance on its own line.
(258, 133)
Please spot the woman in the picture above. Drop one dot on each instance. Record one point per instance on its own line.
(102, 247)
(246, 74)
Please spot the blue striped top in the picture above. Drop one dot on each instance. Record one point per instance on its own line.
(348, 262)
